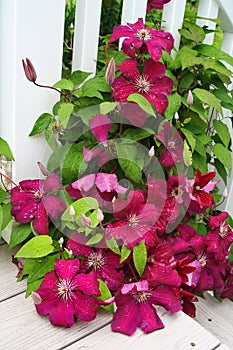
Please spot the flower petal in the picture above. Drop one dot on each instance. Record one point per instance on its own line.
(87, 283)
(67, 269)
(85, 307)
(150, 320)
(62, 314)
(126, 318)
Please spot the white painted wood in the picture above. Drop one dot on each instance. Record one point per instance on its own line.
(180, 333)
(226, 15)
(223, 347)
(216, 317)
(9, 286)
(34, 31)
(173, 14)
(208, 9)
(23, 329)
(132, 10)
(86, 36)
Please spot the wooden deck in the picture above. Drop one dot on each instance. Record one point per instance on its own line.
(23, 329)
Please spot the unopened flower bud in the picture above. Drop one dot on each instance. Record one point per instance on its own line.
(176, 116)
(151, 152)
(110, 72)
(70, 252)
(225, 193)
(113, 200)
(36, 298)
(100, 215)
(29, 70)
(190, 98)
(61, 241)
(72, 211)
(85, 220)
(44, 171)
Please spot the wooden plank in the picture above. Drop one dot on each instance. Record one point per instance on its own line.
(23, 328)
(9, 286)
(208, 9)
(180, 332)
(223, 347)
(216, 317)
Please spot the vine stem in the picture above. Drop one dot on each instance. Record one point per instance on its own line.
(9, 179)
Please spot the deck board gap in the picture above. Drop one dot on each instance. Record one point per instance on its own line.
(12, 296)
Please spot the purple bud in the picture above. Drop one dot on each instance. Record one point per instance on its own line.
(110, 72)
(44, 171)
(85, 220)
(190, 98)
(29, 70)
(36, 298)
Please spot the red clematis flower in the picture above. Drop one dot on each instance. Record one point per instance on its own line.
(65, 293)
(136, 220)
(103, 262)
(152, 84)
(139, 37)
(156, 4)
(200, 186)
(135, 307)
(31, 201)
(100, 125)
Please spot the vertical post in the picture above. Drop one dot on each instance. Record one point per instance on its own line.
(173, 15)
(132, 10)
(208, 9)
(33, 30)
(86, 35)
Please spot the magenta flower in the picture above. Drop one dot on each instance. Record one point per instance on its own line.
(173, 146)
(31, 201)
(96, 154)
(152, 84)
(200, 186)
(135, 220)
(135, 307)
(156, 4)
(100, 125)
(66, 293)
(103, 262)
(139, 36)
(101, 186)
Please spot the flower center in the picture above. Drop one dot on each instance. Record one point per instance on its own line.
(197, 188)
(38, 195)
(133, 220)
(64, 288)
(223, 231)
(96, 260)
(141, 297)
(171, 144)
(143, 34)
(142, 84)
(177, 193)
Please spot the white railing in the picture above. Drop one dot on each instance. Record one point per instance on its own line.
(35, 29)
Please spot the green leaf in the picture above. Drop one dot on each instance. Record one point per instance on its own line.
(113, 246)
(217, 66)
(78, 77)
(143, 103)
(125, 253)
(93, 87)
(174, 103)
(222, 131)
(64, 84)
(6, 212)
(127, 158)
(73, 164)
(192, 32)
(221, 170)
(5, 149)
(1, 219)
(211, 51)
(19, 234)
(37, 268)
(223, 155)
(41, 124)
(189, 137)
(201, 149)
(64, 112)
(187, 154)
(106, 107)
(2, 195)
(95, 239)
(137, 134)
(188, 57)
(199, 162)
(31, 287)
(37, 247)
(140, 257)
(105, 295)
(208, 98)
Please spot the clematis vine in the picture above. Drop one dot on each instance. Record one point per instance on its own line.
(32, 201)
(139, 37)
(65, 293)
(152, 83)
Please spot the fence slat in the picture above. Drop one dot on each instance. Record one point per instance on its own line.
(208, 9)
(86, 35)
(34, 31)
(226, 15)
(132, 10)
(173, 14)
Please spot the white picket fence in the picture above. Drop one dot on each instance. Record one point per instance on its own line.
(35, 29)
